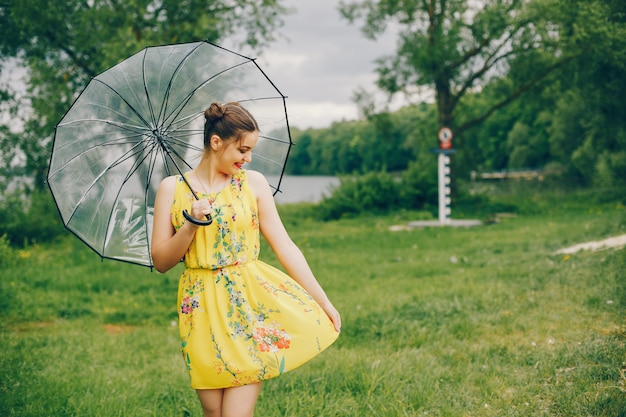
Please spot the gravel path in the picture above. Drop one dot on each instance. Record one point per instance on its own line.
(612, 242)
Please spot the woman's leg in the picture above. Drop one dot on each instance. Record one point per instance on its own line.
(240, 401)
(211, 401)
(230, 402)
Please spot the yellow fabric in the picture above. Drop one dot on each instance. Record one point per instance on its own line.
(241, 320)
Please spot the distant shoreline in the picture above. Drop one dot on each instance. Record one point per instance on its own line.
(305, 188)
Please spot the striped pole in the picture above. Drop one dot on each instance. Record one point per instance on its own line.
(444, 188)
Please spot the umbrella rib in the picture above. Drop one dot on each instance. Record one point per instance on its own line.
(168, 172)
(176, 140)
(245, 100)
(185, 122)
(124, 100)
(179, 108)
(270, 81)
(145, 88)
(127, 155)
(274, 139)
(125, 126)
(51, 175)
(175, 152)
(101, 145)
(136, 164)
(169, 86)
(108, 108)
(182, 134)
(266, 159)
(282, 172)
(146, 204)
(137, 131)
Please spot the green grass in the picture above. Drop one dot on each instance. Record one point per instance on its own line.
(482, 321)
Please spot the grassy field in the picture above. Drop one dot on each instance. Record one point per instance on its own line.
(481, 321)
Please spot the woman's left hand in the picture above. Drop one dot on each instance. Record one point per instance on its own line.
(332, 314)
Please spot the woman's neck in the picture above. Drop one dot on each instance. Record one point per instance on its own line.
(210, 180)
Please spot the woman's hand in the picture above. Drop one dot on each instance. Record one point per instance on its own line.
(332, 314)
(201, 208)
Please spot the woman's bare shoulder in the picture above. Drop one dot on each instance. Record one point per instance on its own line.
(255, 177)
(169, 183)
(258, 182)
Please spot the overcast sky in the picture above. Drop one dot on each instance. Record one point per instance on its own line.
(322, 62)
(318, 62)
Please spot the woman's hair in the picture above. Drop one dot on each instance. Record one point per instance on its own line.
(228, 121)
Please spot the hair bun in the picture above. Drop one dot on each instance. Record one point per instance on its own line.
(228, 121)
(214, 112)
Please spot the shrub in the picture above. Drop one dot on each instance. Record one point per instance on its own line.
(419, 183)
(7, 253)
(374, 192)
(29, 219)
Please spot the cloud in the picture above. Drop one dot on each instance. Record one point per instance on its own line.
(305, 114)
(320, 60)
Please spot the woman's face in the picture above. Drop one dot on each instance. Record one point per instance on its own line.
(238, 152)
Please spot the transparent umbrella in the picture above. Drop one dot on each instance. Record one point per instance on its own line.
(142, 120)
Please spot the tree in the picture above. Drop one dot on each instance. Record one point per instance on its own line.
(588, 130)
(454, 47)
(63, 43)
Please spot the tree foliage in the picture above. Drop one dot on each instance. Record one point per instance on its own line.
(564, 57)
(454, 47)
(66, 42)
(576, 120)
(383, 142)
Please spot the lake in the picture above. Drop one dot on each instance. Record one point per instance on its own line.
(304, 189)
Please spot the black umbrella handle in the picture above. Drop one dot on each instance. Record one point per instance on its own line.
(193, 220)
(197, 222)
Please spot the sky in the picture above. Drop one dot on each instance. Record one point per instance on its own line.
(318, 61)
(321, 63)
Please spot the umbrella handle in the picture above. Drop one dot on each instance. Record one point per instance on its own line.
(197, 222)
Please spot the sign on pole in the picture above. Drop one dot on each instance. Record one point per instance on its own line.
(445, 138)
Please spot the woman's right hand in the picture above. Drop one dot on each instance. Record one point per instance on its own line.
(201, 208)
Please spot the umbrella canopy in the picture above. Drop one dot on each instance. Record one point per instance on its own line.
(143, 120)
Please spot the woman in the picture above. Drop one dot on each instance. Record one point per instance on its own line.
(241, 321)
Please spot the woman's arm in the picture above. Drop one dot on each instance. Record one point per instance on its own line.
(169, 246)
(287, 252)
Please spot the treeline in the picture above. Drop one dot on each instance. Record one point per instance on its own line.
(575, 124)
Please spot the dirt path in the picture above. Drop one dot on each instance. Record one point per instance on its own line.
(612, 242)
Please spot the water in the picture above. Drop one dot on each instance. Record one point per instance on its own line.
(304, 189)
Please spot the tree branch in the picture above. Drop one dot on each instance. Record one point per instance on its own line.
(517, 93)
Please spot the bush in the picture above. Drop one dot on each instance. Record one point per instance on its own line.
(29, 219)
(419, 184)
(7, 253)
(374, 192)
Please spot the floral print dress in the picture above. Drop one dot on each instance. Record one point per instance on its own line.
(241, 320)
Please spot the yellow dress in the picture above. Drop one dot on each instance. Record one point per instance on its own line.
(241, 320)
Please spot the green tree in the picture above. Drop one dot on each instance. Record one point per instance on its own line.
(454, 47)
(299, 157)
(588, 129)
(63, 43)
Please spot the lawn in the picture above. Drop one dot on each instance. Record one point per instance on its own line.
(479, 321)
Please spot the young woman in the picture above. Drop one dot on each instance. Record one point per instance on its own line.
(241, 320)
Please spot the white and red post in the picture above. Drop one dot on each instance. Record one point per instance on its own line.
(443, 163)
